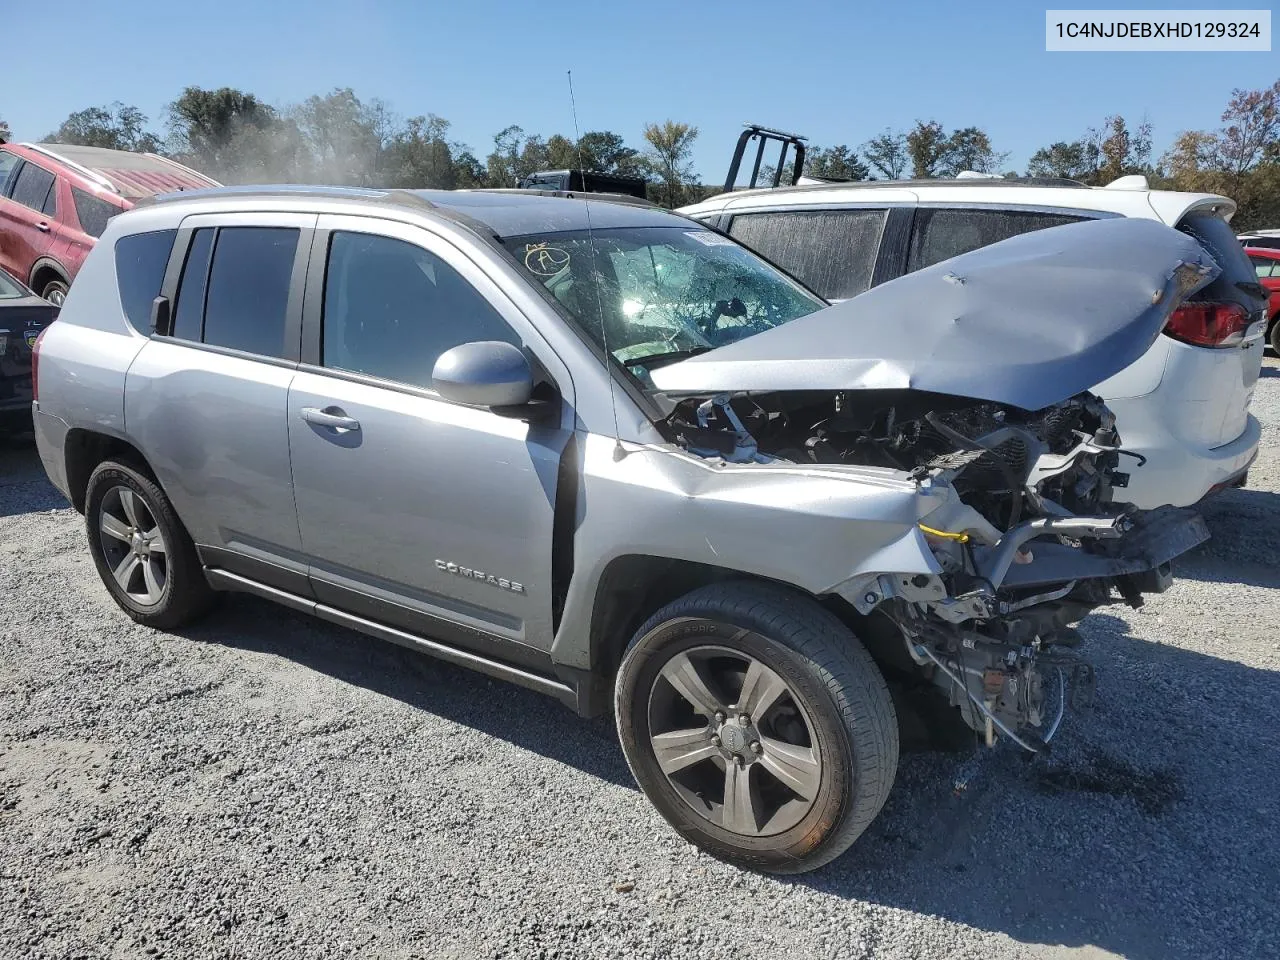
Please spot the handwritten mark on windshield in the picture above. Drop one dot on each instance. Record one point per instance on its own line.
(545, 260)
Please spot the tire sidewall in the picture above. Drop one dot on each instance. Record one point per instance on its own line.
(103, 480)
(636, 677)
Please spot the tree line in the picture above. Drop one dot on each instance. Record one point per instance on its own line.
(339, 138)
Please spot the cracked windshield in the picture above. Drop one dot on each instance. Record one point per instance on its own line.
(655, 295)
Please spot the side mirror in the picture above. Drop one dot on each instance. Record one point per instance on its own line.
(487, 373)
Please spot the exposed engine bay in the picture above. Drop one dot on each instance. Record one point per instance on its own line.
(1033, 535)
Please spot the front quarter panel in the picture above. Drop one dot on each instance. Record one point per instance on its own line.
(812, 528)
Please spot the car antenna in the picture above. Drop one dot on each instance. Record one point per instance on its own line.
(619, 451)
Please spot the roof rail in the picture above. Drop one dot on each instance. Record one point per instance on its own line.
(569, 195)
(78, 168)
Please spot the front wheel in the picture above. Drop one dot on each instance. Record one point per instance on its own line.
(1274, 334)
(758, 725)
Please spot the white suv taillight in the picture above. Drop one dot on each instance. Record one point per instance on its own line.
(35, 365)
(1209, 324)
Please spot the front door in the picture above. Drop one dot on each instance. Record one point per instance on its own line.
(431, 516)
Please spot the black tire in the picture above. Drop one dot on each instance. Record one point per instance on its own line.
(55, 291)
(846, 715)
(185, 595)
(1273, 334)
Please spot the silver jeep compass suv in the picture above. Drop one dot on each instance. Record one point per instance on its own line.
(605, 452)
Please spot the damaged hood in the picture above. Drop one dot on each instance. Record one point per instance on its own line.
(1028, 322)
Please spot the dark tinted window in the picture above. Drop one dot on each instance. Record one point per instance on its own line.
(92, 212)
(832, 251)
(249, 289)
(189, 309)
(32, 187)
(391, 308)
(7, 163)
(941, 234)
(140, 262)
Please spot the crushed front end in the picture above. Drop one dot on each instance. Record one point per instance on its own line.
(1031, 533)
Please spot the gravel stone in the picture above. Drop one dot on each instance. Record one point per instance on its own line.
(264, 785)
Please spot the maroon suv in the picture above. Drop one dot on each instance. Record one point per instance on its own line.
(56, 199)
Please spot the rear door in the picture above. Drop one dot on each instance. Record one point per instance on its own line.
(207, 398)
(27, 218)
(428, 515)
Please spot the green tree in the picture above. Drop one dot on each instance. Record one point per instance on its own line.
(234, 136)
(348, 139)
(670, 150)
(834, 163)
(116, 127)
(888, 154)
(1060, 159)
(969, 148)
(422, 156)
(4, 132)
(927, 145)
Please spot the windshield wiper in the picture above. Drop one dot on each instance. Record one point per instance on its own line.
(656, 360)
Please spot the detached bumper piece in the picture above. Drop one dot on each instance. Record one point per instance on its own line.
(1141, 555)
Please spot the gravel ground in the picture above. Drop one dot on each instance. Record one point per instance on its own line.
(269, 786)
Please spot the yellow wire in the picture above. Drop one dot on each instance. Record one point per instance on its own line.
(945, 534)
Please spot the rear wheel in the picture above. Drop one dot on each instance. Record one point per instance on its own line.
(143, 553)
(55, 291)
(758, 725)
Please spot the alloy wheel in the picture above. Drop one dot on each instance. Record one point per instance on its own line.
(734, 741)
(133, 545)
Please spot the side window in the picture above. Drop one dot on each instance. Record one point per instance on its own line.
(248, 289)
(50, 206)
(32, 187)
(833, 252)
(188, 314)
(141, 259)
(92, 212)
(8, 161)
(1262, 266)
(391, 308)
(942, 233)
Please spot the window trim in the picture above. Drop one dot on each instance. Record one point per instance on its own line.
(304, 223)
(545, 361)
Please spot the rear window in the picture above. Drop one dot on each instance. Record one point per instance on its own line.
(141, 259)
(942, 233)
(833, 252)
(92, 212)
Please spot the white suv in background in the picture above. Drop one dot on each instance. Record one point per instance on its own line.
(1182, 408)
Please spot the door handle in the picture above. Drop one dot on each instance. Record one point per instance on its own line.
(42, 227)
(331, 417)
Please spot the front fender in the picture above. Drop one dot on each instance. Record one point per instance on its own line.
(815, 528)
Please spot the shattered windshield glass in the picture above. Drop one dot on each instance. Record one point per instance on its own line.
(659, 294)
